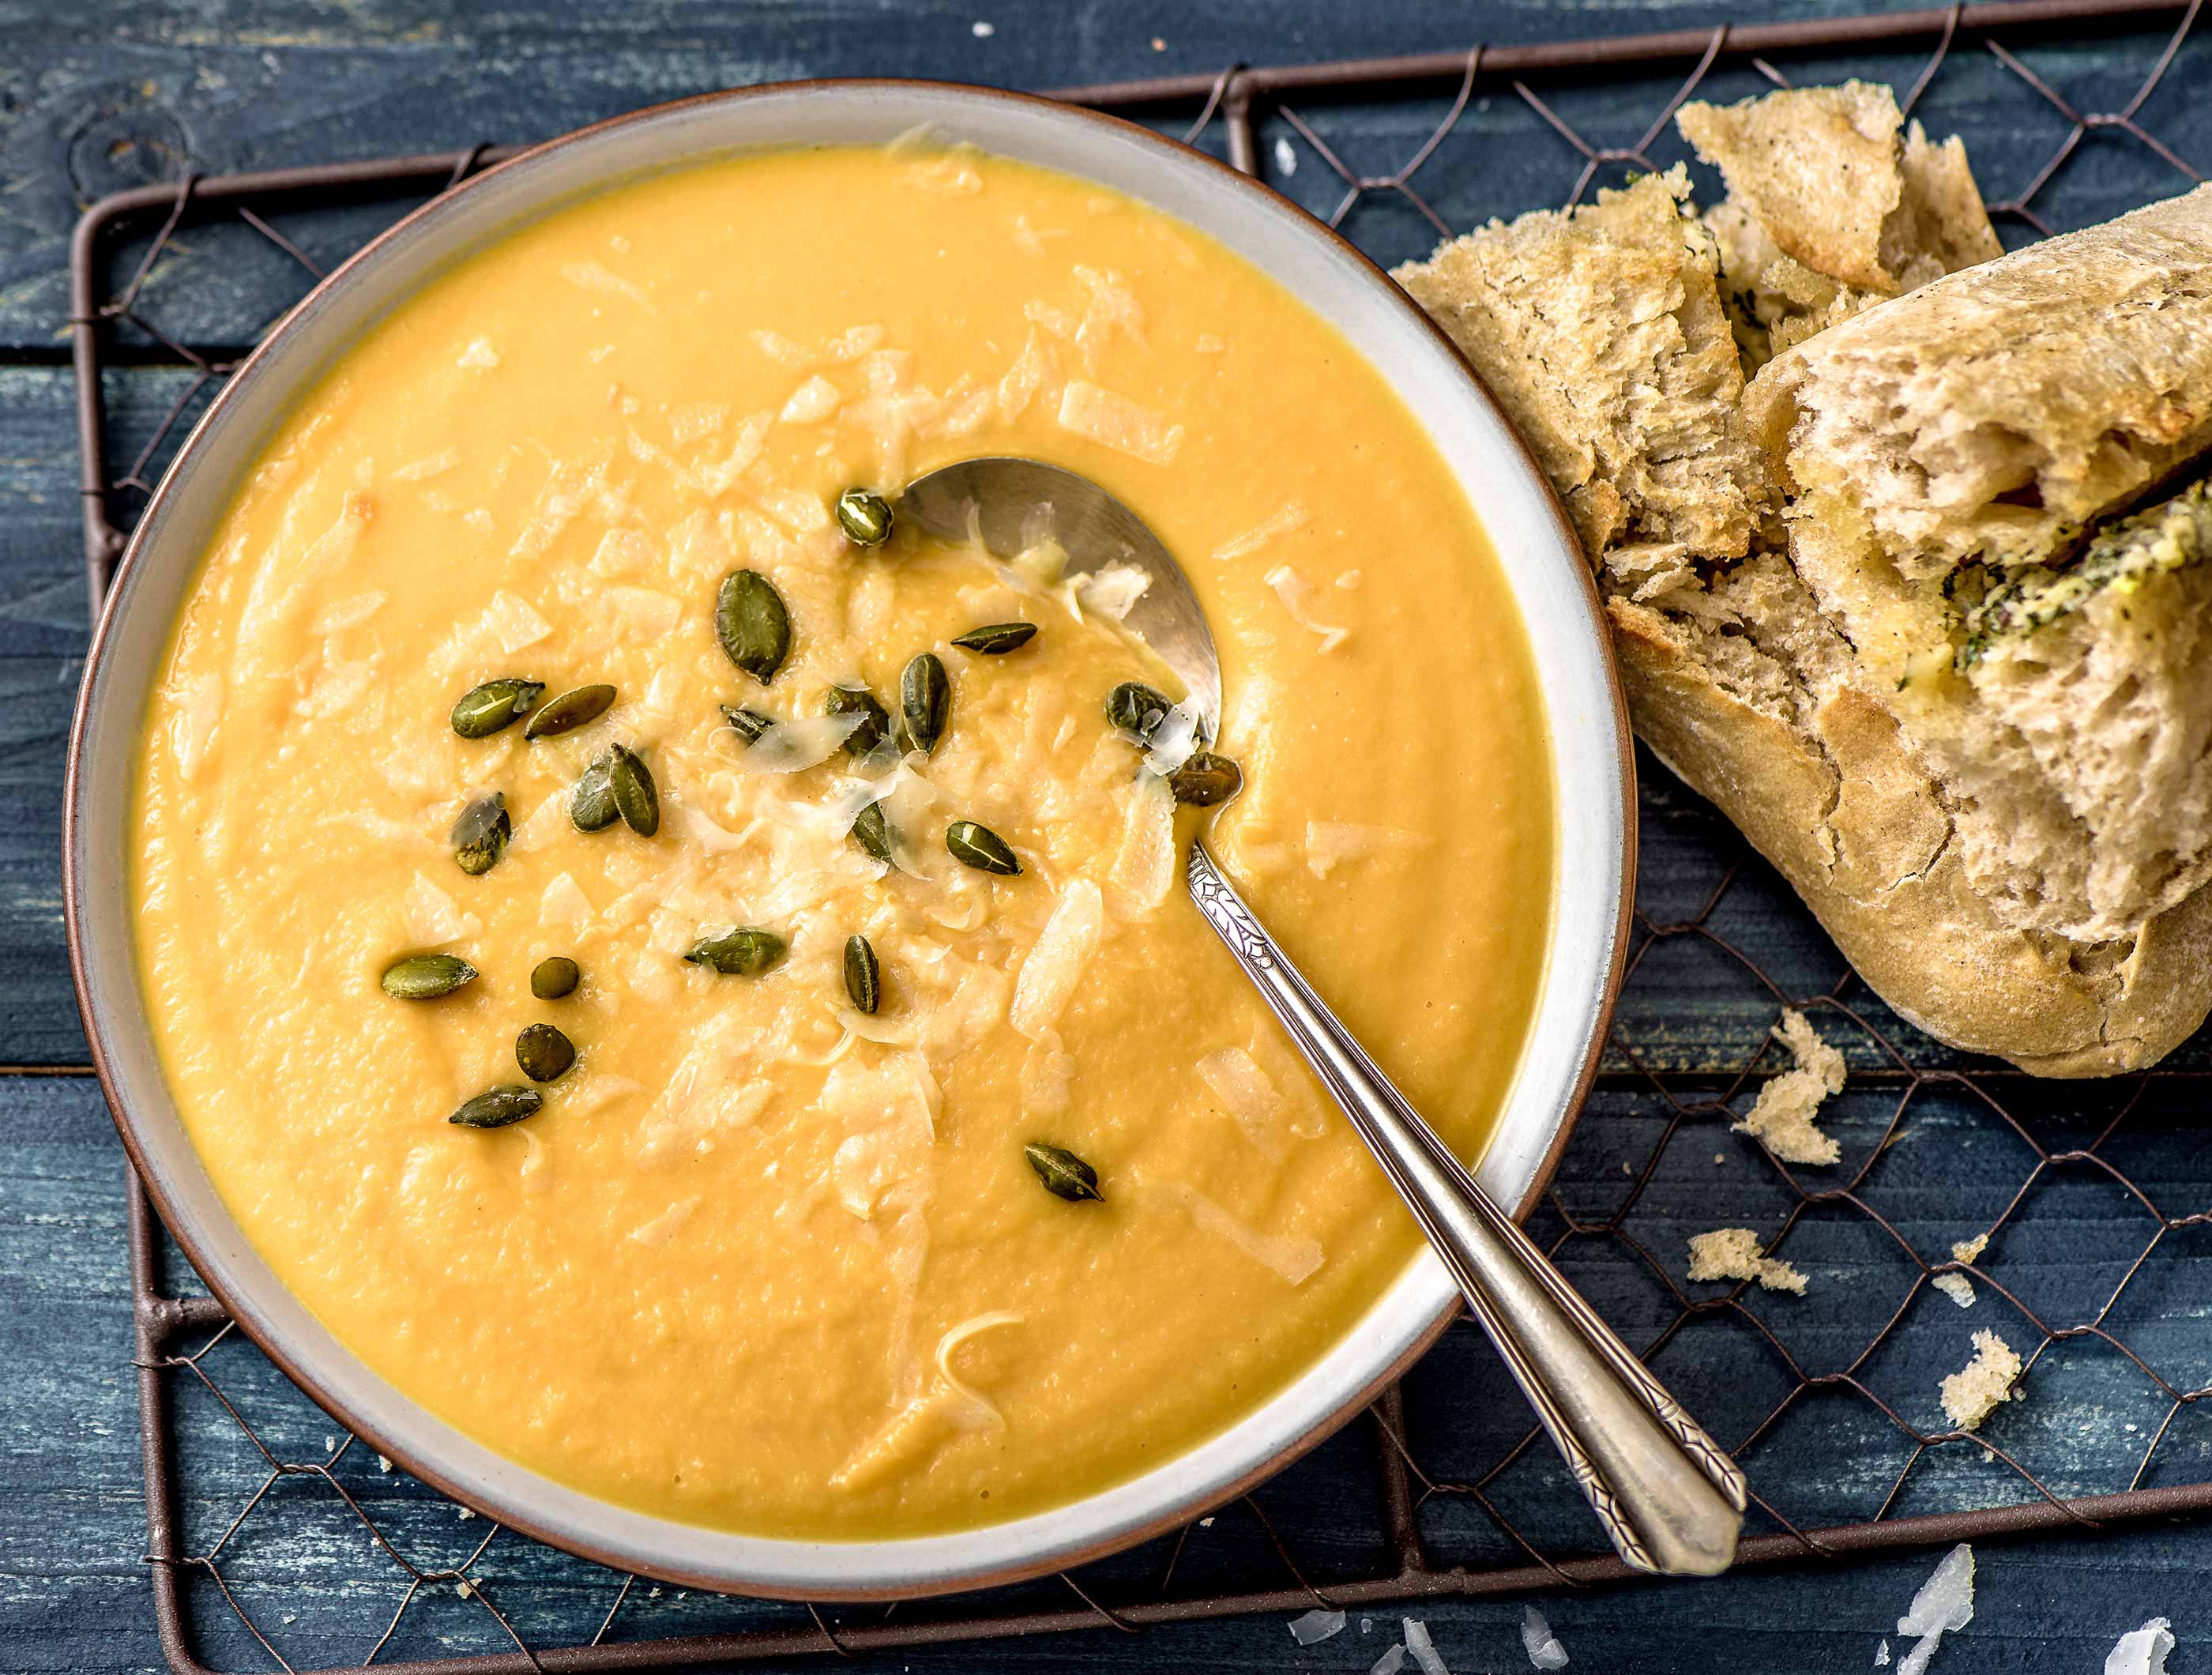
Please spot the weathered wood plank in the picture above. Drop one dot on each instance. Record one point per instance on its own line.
(91, 114)
(97, 98)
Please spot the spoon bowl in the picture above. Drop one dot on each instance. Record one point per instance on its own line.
(1669, 1499)
(1011, 504)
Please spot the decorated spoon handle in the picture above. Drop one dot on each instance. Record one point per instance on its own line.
(1669, 1499)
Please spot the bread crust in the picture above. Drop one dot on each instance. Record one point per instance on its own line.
(1843, 812)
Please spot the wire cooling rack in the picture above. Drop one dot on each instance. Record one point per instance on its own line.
(2090, 1195)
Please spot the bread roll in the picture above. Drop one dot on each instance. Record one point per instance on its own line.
(1747, 547)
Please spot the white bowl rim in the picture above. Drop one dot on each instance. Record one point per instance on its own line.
(1587, 723)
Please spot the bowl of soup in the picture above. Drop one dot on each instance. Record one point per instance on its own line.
(664, 1000)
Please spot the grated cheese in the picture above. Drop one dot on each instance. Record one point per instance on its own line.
(1113, 591)
(192, 728)
(1316, 1626)
(512, 624)
(1145, 868)
(1538, 1640)
(644, 616)
(951, 173)
(1022, 379)
(2141, 1651)
(479, 355)
(619, 552)
(811, 402)
(1118, 423)
(799, 743)
(351, 611)
(1423, 1648)
(696, 420)
(597, 277)
(564, 901)
(664, 1227)
(432, 917)
(1056, 963)
(1174, 740)
(1292, 1256)
(976, 1401)
(1331, 844)
(1243, 1086)
(1298, 598)
(1944, 1604)
(1287, 520)
(535, 1175)
(429, 466)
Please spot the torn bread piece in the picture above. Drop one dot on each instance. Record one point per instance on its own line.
(1948, 453)
(1754, 704)
(1983, 1385)
(1733, 1253)
(1782, 1118)
(1827, 176)
(1734, 676)
(1601, 329)
(1803, 250)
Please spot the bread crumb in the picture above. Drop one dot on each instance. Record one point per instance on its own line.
(1957, 1287)
(1782, 1118)
(1733, 1253)
(1966, 1250)
(1977, 1389)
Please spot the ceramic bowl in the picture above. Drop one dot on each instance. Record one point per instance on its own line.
(1550, 581)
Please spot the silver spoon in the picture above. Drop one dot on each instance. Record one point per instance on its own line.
(1669, 1499)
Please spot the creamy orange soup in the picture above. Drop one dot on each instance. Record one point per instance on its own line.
(760, 1259)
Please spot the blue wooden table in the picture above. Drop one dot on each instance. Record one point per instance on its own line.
(95, 98)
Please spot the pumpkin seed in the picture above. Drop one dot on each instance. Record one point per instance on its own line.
(1206, 779)
(875, 720)
(1133, 707)
(544, 1053)
(864, 516)
(924, 701)
(630, 783)
(980, 847)
(864, 979)
(480, 835)
(754, 627)
(570, 711)
(1064, 1174)
(998, 638)
(592, 806)
(872, 831)
(743, 951)
(484, 709)
(425, 976)
(555, 979)
(495, 1107)
(749, 723)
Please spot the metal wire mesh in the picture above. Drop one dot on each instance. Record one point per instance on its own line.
(2083, 1193)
